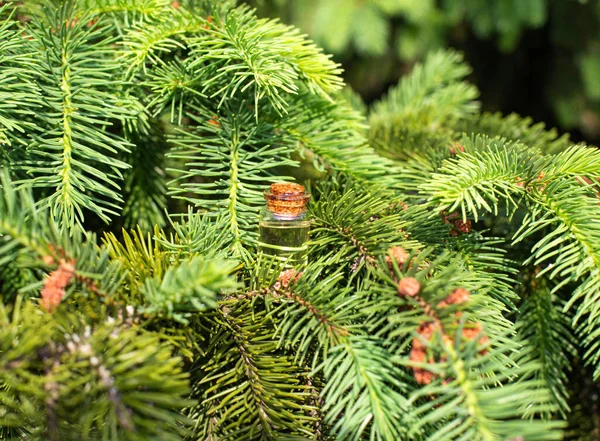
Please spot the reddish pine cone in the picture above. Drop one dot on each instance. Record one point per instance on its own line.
(459, 295)
(455, 148)
(409, 286)
(54, 286)
(288, 276)
(463, 227)
(398, 254)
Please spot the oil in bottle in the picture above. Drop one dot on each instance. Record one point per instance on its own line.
(283, 226)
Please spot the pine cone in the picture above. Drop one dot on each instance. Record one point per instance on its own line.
(409, 286)
(459, 295)
(399, 254)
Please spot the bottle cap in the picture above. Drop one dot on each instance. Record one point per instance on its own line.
(286, 200)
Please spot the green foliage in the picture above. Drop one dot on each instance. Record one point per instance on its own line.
(135, 386)
(541, 320)
(75, 156)
(246, 389)
(452, 268)
(19, 96)
(189, 287)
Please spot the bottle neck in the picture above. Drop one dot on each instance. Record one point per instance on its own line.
(297, 215)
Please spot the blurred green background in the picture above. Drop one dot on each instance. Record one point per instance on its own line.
(535, 57)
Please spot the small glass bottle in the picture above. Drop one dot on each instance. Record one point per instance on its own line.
(283, 225)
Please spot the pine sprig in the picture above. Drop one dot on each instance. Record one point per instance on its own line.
(129, 11)
(144, 45)
(547, 329)
(434, 96)
(363, 394)
(334, 134)
(515, 128)
(467, 404)
(376, 226)
(238, 156)
(76, 157)
(191, 287)
(245, 388)
(132, 381)
(19, 98)
(490, 171)
(145, 186)
(266, 57)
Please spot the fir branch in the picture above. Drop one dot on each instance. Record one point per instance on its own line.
(515, 128)
(335, 134)
(173, 87)
(190, 287)
(139, 255)
(246, 388)
(145, 187)
(197, 233)
(468, 404)
(237, 156)
(144, 45)
(363, 394)
(75, 158)
(437, 81)
(308, 309)
(130, 11)
(359, 238)
(19, 98)
(131, 379)
(555, 199)
(489, 170)
(565, 208)
(23, 226)
(268, 58)
(547, 329)
(433, 97)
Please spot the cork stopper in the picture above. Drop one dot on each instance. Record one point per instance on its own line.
(286, 200)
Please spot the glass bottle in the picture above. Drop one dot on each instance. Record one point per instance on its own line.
(283, 225)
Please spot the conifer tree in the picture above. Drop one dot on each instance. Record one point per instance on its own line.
(452, 277)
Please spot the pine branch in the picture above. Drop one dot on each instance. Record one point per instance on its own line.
(144, 45)
(355, 227)
(140, 256)
(489, 170)
(267, 58)
(433, 96)
(75, 158)
(134, 386)
(515, 128)
(192, 286)
(195, 234)
(467, 403)
(556, 199)
(129, 11)
(246, 389)
(19, 98)
(335, 134)
(364, 386)
(313, 312)
(145, 187)
(228, 160)
(547, 329)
